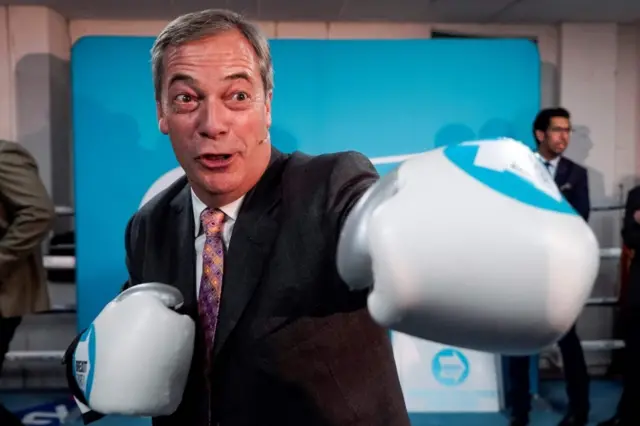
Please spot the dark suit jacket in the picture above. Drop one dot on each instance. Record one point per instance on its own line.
(573, 181)
(293, 346)
(631, 238)
(26, 217)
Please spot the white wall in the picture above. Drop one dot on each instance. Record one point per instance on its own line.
(34, 91)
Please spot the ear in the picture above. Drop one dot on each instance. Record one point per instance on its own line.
(162, 121)
(539, 136)
(267, 103)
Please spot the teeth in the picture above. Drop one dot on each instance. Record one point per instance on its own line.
(218, 156)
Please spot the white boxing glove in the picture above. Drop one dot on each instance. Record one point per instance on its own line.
(474, 246)
(135, 357)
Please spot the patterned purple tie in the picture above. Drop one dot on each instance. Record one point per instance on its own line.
(211, 282)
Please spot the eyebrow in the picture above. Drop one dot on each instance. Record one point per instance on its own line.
(191, 81)
(238, 76)
(181, 77)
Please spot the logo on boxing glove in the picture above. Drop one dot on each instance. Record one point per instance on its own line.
(510, 168)
(83, 358)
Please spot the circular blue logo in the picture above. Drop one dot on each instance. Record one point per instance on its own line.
(502, 178)
(450, 367)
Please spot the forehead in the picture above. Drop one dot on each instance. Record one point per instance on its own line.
(559, 122)
(226, 52)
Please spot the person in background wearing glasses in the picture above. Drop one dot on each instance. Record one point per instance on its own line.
(552, 131)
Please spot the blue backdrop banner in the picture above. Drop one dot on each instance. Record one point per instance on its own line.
(384, 98)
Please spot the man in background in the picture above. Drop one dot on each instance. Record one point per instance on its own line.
(26, 216)
(552, 130)
(627, 414)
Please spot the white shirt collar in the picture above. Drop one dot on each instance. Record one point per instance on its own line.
(553, 163)
(231, 210)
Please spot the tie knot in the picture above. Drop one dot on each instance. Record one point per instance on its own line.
(212, 220)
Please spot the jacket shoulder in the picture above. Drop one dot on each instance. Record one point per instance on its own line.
(575, 166)
(321, 167)
(327, 183)
(8, 147)
(634, 193)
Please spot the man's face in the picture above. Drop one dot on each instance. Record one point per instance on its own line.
(214, 109)
(556, 138)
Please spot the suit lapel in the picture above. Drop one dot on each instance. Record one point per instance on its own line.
(183, 274)
(253, 235)
(562, 173)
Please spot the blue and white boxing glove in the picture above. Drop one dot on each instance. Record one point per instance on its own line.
(471, 245)
(134, 359)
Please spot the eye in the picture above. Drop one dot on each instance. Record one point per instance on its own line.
(184, 98)
(240, 96)
(184, 102)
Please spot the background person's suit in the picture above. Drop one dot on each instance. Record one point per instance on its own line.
(26, 217)
(293, 345)
(627, 408)
(573, 182)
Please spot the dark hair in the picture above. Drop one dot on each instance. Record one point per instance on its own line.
(543, 119)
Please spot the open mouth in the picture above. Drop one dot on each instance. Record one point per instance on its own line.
(217, 156)
(214, 161)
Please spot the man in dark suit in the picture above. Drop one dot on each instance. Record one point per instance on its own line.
(290, 344)
(628, 412)
(552, 129)
(26, 217)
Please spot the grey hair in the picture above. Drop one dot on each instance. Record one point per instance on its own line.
(198, 25)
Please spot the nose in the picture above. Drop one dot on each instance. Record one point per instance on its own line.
(213, 121)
